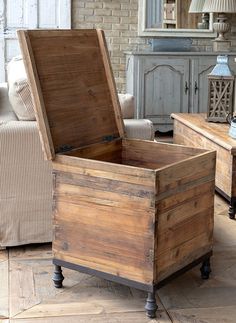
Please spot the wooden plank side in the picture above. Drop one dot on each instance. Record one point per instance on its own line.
(106, 151)
(218, 133)
(183, 255)
(104, 170)
(184, 230)
(184, 235)
(98, 224)
(185, 212)
(104, 244)
(74, 85)
(179, 207)
(35, 89)
(100, 197)
(155, 155)
(102, 184)
(185, 135)
(111, 82)
(194, 171)
(177, 199)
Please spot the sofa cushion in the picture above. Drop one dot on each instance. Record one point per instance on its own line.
(19, 91)
(6, 112)
(127, 105)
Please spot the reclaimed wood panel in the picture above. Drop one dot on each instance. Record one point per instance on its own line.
(73, 86)
(122, 240)
(102, 169)
(154, 155)
(214, 131)
(105, 151)
(184, 213)
(187, 135)
(188, 173)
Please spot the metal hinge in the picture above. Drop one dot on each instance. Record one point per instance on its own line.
(64, 149)
(110, 138)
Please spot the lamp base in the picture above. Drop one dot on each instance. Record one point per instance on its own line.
(221, 45)
(204, 24)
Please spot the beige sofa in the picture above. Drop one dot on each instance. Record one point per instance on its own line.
(25, 178)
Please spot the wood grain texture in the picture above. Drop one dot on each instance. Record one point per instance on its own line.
(124, 213)
(185, 213)
(195, 131)
(109, 152)
(216, 132)
(178, 196)
(84, 308)
(73, 75)
(137, 317)
(111, 82)
(37, 96)
(154, 155)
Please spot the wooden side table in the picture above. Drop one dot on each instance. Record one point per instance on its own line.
(194, 130)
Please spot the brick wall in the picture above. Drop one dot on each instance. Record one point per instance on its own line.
(119, 20)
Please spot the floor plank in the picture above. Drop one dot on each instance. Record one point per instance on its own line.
(3, 255)
(32, 251)
(139, 317)
(30, 283)
(226, 314)
(4, 292)
(84, 308)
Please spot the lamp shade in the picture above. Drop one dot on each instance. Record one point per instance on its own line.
(196, 6)
(220, 6)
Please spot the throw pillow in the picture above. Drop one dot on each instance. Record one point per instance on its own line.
(127, 105)
(19, 90)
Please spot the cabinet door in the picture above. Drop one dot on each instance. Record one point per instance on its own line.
(164, 88)
(201, 67)
(28, 14)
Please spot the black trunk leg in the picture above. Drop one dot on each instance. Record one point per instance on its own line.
(205, 269)
(57, 277)
(231, 213)
(151, 305)
(232, 208)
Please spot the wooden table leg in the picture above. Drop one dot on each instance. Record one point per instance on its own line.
(232, 208)
(57, 277)
(151, 305)
(205, 269)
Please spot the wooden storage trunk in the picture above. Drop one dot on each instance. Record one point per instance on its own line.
(131, 211)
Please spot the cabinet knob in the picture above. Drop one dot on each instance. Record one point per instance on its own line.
(186, 88)
(195, 88)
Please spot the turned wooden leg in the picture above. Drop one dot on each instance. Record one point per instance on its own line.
(205, 269)
(151, 305)
(57, 277)
(232, 208)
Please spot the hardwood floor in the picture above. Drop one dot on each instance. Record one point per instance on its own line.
(27, 294)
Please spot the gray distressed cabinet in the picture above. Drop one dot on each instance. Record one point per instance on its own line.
(165, 83)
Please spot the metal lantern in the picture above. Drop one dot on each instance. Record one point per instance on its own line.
(220, 91)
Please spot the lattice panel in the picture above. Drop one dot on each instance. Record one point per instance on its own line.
(220, 98)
